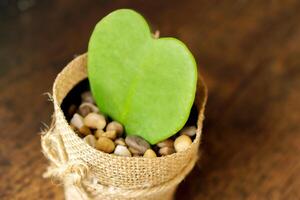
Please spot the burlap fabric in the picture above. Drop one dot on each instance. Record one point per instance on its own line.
(91, 174)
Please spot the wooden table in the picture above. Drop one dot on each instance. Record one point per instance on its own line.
(247, 51)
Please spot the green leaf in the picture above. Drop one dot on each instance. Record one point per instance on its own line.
(147, 84)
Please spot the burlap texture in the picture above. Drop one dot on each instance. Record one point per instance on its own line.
(106, 176)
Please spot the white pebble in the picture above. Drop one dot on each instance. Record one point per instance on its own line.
(121, 150)
(77, 121)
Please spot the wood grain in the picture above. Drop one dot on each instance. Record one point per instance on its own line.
(247, 51)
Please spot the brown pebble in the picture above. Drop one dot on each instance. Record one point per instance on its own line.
(87, 97)
(189, 131)
(120, 141)
(86, 108)
(72, 110)
(137, 143)
(182, 143)
(134, 151)
(166, 151)
(85, 130)
(78, 133)
(166, 143)
(109, 134)
(115, 126)
(105, 144)
(84, 111)
(95, 121)
(149, 154)
(72, 127)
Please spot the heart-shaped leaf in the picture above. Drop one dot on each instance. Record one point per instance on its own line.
(147, 84)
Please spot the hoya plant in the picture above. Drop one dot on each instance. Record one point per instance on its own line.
(148, 84)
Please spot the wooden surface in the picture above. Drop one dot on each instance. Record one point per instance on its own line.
(248, 53)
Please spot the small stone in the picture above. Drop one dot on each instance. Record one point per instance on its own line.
(85, 130)
(95, 121)
(150, 154)
(166, 151)
(105, 144)
(166, 143)
(86, 108)
(87, 97)
(91, 140)
(134, 151)
(109, 134)
(121, 150)
(84, 111)
(120, 141)
(115, 126)
(72, 110)
(72, 127)
(77, 121)
(189, 131)
(182, 143)
(78, 133)
(137, 143)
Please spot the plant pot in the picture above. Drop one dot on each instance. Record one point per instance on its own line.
(91, 174)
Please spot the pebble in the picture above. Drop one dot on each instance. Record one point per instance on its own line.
(182, 143)
(109, 134)
(72, 127)
(85, 130)
(121, 150)
(87, 117)
(95, 121)
(120, 141)
(137, 143)
(72, 110)
(115, 126)
(86, 108)
(134, 151)
(189, 131)
(166, 143)
(77, 121)
(149, 154)
(91, 140)
(87, 97)
(105, 144)
(166, 151)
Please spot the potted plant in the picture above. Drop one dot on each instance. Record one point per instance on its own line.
(145, 84)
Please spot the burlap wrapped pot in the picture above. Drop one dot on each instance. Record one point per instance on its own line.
(91, 174)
